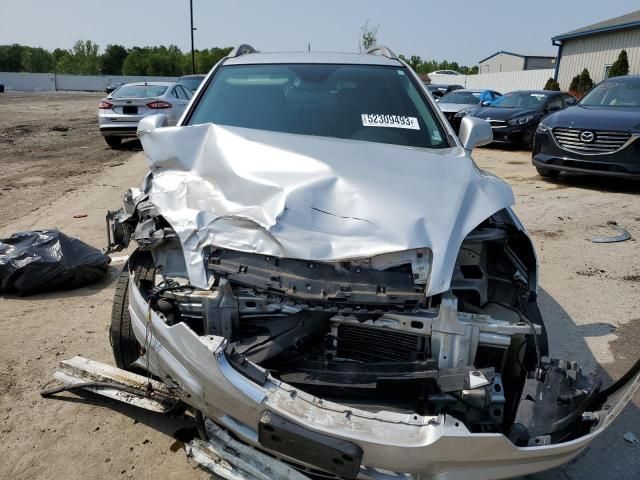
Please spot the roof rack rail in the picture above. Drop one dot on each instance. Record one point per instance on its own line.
(241, 50)
(382, 50)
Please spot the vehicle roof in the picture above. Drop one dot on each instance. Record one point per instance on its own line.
(472, 90)
(625, 78)
(542, 92)
(444, 85)
(156, 84)
(312, 57)
(194, 75)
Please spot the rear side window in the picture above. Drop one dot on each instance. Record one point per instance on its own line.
(358, 102)
(139, 91)
(187, 93)
(180, 93)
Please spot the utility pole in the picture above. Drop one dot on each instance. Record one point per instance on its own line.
(193, 55)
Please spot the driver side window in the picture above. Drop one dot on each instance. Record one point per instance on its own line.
(555, 103)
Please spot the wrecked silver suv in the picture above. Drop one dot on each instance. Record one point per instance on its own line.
(324, 272)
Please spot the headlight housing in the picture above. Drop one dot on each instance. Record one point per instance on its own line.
(462, 113)
(542, 128)
(520, 120)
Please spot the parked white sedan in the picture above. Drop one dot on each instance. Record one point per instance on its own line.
(120, 112)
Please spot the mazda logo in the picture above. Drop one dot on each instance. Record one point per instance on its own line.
(587, 136)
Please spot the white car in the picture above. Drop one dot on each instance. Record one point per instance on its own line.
(324, 272)
(121, 111)
(445, 72)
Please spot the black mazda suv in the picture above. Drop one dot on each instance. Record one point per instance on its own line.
(599, 135)
(514, 117)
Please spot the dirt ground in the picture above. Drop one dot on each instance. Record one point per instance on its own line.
(49, 145)
(589, 295)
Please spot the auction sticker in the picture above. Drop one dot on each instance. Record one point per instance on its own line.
(389, 121)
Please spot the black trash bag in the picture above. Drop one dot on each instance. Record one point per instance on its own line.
(43, 260)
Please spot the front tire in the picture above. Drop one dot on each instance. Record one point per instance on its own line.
(113, 142)
(125, 346)
(547, 173)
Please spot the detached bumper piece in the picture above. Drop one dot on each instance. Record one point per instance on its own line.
(79, 373)
(230, 459)
(551, 407)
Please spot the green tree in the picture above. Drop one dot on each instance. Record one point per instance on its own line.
(135, 63)
(11, 58)
(620, 67)
(83, 58)
(573, 86)
(368, 37)
(552, 85)
(58, 53)
(415, 62)
(112, 59)
(205, 59)
(585, 83)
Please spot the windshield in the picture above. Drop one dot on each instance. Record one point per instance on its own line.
(192, 83)
(466, 98)
(357, 102)
(621, 92)
(139, 91)
(520, 100)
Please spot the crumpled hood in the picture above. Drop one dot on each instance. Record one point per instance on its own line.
(315, 198)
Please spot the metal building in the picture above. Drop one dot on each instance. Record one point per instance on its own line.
(595, 47)
(514, 62)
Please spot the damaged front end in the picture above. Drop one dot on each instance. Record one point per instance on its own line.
(349, 368)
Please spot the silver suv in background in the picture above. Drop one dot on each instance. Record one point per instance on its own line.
(121, 111)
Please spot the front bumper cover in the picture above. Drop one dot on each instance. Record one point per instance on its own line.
(548, 154)
(421, 447)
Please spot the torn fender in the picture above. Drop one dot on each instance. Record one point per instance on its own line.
(315, 198)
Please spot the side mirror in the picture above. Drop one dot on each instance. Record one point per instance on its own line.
(437, 99)
(570, 101)
(475, 132)
(150, 123)
(486, 103)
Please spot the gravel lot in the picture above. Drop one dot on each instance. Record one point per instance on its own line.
(54, 165)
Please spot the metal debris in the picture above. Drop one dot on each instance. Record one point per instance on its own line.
(114, 383)
(631, 438)
(232, 460)
(624, 234)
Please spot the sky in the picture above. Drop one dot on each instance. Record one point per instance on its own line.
(460, 30)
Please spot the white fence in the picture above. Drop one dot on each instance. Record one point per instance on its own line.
(502, 82)
(50, 82)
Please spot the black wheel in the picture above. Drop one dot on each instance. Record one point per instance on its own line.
(126, 348)
(113, 142)
(548, 173)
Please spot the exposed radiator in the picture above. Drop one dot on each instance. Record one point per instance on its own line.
(370, 344)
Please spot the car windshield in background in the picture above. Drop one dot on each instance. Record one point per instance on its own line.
(618, 92)
(192, 83)
(357, 102)
(462, 98)
(139, 91)
(520, 100)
